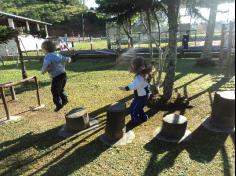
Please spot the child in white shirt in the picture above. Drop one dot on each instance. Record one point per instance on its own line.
(141, 89)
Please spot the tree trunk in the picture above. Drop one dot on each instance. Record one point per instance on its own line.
(207, 53)
(108, 36)
(23, 69)
(150, 34)
(173, 14)
(222, 44)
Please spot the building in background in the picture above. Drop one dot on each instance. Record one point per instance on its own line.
(31, 33)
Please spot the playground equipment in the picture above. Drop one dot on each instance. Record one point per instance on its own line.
(77, 120)
(174, 129)
(223, 113)
(115, 132)
(11, 86)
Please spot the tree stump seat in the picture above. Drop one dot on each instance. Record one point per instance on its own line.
(115, 127)
(174, 129)
(115, 131)
(77, 120)
(222, 118)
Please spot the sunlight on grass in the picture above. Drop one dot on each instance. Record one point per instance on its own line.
(30, 147)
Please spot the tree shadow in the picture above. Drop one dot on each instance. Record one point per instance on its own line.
(79, 158)
(157, 163)
(205, 144)
(180, 103)
(202, 147)
(28, 161)
(103, 109)
(212, 88)
(40, 141)
(226, 164)
(47, 141)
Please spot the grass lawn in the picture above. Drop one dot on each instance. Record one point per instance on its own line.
(30, 146)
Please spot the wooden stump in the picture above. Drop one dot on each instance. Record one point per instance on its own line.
(223, 113)
(115, 127)
(174, 129)
(77, 120)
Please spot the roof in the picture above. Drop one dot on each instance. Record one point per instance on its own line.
(22, 18)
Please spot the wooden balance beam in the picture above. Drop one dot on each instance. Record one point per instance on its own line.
(11, 86)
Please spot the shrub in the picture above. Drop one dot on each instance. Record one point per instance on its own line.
(7, 33)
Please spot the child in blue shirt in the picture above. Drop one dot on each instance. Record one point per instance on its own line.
(54, 64)
(141, 89)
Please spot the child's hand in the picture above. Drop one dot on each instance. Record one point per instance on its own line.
(122, 88)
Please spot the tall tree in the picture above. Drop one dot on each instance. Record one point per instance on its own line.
(120, 12)
(173, 8)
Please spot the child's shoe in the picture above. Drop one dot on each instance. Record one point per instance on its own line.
(58, 108)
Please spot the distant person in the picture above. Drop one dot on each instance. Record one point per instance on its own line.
(141, 89)
(54, 64)
(185, 40)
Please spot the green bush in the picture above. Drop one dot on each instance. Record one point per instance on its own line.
(7, 33)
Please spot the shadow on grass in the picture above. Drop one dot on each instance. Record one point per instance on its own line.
(49, 141)
(202, 147)
(79, 158)
(40, 141)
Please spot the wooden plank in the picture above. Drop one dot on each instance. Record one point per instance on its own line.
(5, 103)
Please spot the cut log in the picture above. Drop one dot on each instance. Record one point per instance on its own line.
(223, 113)
(174, 126)
(77, 120)
(115, 127)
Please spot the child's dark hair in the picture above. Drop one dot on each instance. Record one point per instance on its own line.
(49, 46)
(140, 67)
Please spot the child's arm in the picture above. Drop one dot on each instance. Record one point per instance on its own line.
(66, 59)
(132, 86)
(46, 64)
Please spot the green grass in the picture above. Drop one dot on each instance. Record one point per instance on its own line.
(30, 147)
(101, 44)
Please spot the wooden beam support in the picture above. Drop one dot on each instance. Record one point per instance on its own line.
(5, 103)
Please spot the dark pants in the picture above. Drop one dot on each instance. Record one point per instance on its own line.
(57, 89)
(137, 109)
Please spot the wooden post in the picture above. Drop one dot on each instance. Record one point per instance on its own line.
(5, 102)
(91, 43)
(13, 93)
(27, 26)
(23, 69)
(229, 52)
(46, 30)
(11, 23)
(37, 90)
(38, 27)
(222, 44)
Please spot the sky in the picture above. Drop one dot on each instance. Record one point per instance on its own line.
(90, 3)
(229, 16)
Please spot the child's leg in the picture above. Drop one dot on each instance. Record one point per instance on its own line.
(133, 111)
(136, 107)
(55, 89)
(63, 93)
(142, 114)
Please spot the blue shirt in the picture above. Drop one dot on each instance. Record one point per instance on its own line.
(54, 64)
